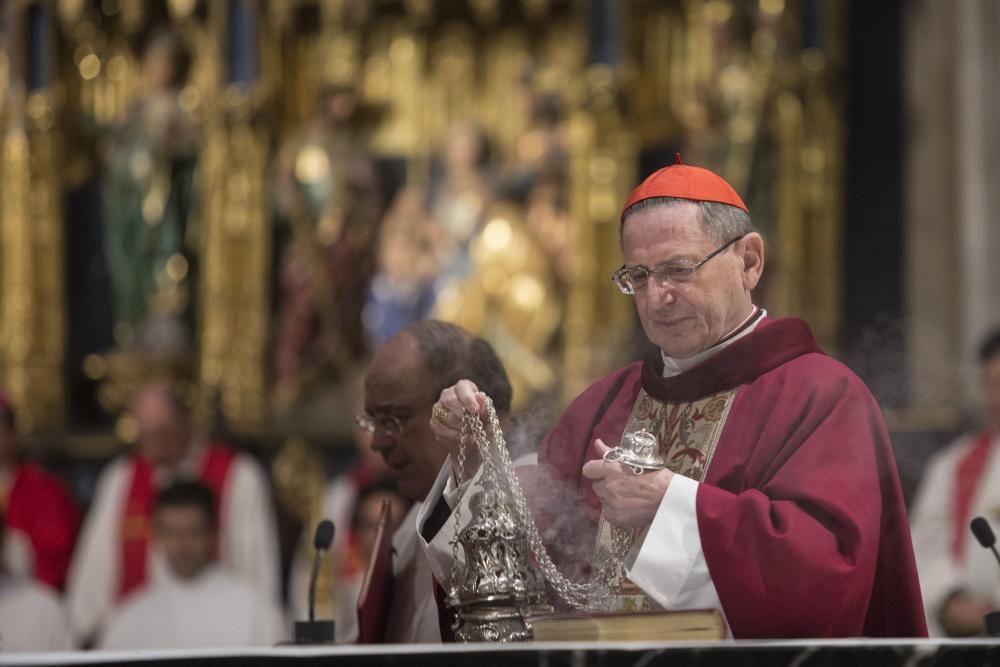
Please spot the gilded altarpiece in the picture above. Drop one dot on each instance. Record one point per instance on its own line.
(746, 88)
(32, 323)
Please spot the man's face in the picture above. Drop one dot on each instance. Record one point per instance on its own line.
(990, 382)
(687, 318)
(164, 435)
(396, 391)
(187, 539)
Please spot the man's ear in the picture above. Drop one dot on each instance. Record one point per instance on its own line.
(751, 251)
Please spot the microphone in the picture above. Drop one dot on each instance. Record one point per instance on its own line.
(313, 631)
(984, 535)
(321, 542)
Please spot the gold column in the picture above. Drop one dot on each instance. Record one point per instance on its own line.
(393, 76)
(506, 58)
(234, 309)
(821, 169)
(451, 82)
(32, 320)
(599, 319)
(785, 296)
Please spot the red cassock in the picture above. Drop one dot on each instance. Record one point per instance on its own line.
(800, 513)
(39, 507)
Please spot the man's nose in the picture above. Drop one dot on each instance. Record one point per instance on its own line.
(382, 441)
(661, 291)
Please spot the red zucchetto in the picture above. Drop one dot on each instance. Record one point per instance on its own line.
(684, 182)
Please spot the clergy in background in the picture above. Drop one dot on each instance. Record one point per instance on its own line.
(41, 518)
(32, 617)
(780, 502)
(199, 603)
(115, 556)
(958, 576)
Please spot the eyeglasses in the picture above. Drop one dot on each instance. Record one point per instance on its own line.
(388, 423)
(632, 278)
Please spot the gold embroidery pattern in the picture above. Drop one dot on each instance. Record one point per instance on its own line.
(688, 434)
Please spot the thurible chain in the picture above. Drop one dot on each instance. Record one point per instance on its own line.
(498, 473)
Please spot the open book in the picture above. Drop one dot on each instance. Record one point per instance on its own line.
(697, 624)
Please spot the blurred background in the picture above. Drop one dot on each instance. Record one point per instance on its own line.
(245, 197)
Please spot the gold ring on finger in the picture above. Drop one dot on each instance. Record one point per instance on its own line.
(440, 414)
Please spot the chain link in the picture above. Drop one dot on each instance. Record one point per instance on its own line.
(453, 584)
(499, 475)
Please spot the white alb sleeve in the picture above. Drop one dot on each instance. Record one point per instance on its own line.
(668, 563)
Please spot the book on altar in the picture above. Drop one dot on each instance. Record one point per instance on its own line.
(376, 587)
(688, 625)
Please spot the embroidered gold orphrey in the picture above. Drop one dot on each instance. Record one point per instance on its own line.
(688, 434)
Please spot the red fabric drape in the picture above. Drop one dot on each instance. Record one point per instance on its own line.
(39, 506)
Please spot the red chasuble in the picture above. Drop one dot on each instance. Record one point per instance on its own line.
(39, 506)
(138, 511)
(800, 512)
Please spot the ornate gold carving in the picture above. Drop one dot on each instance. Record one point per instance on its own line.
(236, 246)
(32, 300)
(602, 152)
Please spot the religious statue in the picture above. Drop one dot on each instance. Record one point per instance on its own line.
(327, 205)
(147, 200)
(425, 238)
(508, 296)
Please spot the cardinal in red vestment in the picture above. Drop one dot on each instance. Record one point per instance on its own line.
(779, 503)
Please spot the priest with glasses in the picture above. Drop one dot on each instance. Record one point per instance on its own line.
(780, 502)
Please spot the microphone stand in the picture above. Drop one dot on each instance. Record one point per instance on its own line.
(984, 535)
(313, 631)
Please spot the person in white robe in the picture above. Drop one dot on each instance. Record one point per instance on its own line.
(248, 535)
(32, 617)
(959, 579)
(199, 603)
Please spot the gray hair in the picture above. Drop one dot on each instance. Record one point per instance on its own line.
(450, 353)
(722, 221)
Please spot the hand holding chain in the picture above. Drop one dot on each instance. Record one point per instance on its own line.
(498, 473)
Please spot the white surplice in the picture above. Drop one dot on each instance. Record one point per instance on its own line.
(932, 524)
(248, 539)
(214, 610)
(31, 617)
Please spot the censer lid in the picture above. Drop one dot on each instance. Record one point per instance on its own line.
(640, 449)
